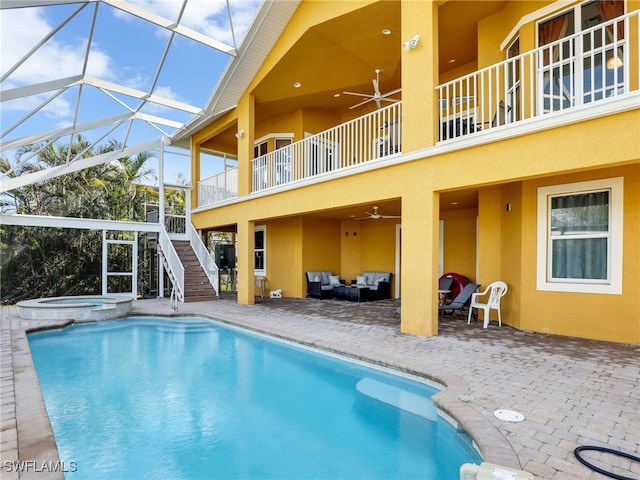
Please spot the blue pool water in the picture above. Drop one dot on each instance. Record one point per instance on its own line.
(95, 302)
(152, 398)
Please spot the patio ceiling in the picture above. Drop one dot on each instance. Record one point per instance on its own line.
(342, 54)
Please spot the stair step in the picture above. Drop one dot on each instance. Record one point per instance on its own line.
(196, 283)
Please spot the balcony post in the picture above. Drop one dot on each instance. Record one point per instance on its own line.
(245, 266)
(246, 117)
(420, 76)
(419, 263)
(195, 172)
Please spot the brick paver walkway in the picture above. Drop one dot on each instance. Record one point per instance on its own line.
(571, 391)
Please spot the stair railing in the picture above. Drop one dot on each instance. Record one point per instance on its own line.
(207, 262)
(173, 266)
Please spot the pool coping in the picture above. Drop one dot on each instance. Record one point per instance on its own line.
(35, 441)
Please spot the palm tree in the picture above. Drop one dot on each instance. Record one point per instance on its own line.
(40, 262)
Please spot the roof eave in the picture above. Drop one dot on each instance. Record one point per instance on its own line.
(270, 21)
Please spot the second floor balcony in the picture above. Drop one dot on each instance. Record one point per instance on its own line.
(572, 74)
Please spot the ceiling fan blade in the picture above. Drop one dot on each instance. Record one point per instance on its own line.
(392, 92)
(361, 103)
(390, 216)
(358, 94)
(392, 100)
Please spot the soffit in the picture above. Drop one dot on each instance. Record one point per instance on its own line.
(458, 30)
(333, 56)
(343, 53)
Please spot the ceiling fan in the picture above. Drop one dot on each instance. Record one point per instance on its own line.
(375, 215)
(377, 96)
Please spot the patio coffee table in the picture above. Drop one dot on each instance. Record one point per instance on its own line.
(353, 294)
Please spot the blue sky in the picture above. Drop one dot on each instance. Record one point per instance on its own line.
(125, 50)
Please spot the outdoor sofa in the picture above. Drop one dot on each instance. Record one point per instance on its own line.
(378, 283)
(320, 283)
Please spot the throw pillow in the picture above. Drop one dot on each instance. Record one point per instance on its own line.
(360, 280)
(334, 280)
(317, 278)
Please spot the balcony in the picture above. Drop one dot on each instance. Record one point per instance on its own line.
(370, 137)
(584, 68)
(218, 188)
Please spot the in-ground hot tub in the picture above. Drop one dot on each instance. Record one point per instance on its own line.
(80, 308)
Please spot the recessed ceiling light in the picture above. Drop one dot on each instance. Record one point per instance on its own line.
(297, 85)
(386, 31)
(453, 60)
(454, 203)
(336, 95)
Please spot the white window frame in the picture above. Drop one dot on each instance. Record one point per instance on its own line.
(613, 285)
(261, 272)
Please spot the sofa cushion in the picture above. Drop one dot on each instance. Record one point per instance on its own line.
(334, 280)
(325, 277)
(361, 280)
(311, 276)
(381, 277)
(369, 277)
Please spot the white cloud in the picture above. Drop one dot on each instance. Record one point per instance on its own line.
(54, 59)
(209, 17)
(165, 92)
(57, 108)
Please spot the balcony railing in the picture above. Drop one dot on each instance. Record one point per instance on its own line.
(589, 66)
(218, 188)
(361, 140)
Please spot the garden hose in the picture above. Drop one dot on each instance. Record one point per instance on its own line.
(605, 450)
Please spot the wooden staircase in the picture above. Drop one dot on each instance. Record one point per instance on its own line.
(197, 287)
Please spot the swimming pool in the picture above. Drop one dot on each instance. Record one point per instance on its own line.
(157, 398)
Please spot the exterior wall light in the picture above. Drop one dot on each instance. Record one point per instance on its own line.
(413, 43)
(240, 134)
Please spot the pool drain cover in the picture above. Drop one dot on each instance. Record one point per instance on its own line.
(509, 415)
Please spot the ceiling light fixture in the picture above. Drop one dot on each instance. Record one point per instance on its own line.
(386, 31)
(410, 44)
(297, 85)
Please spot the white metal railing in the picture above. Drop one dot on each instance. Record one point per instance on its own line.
(218, 188)
(204, 257)
(172, 264)
(175, 224)
(372, 136)
(586, 67)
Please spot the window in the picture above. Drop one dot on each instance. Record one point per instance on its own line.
(513, 82)
(259, 166)
(260, 251)
(283, 161)
(580, 237)
(582, 69)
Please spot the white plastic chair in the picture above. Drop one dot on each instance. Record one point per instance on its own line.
(260, 285)
(496, 291)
